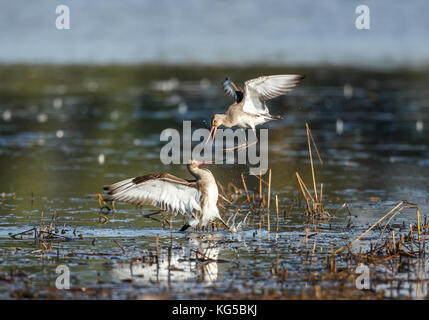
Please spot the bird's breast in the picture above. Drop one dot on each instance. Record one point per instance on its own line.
(210, 193)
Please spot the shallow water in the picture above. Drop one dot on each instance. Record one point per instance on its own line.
(67, 131)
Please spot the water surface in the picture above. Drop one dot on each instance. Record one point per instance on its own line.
(67, 131)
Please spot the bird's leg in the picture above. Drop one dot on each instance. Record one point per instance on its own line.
(245, 145)
(152, 213)
(191, 223)
(248, 145)
(224, 223)
(185, 227)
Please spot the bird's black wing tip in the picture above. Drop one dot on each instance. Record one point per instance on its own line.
(107, 188)
(185, 227)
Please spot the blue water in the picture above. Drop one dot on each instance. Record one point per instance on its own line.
(238, 32)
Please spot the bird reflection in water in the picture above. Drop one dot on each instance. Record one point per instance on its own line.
(196, 261)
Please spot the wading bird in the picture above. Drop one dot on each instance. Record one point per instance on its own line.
(249, 109)
(195, 198)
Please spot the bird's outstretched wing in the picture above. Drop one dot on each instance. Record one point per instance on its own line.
(233, 90)
(267, 87)
(162, 190)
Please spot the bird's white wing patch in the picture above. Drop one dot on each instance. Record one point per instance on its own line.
(172, 197)
(267, 87)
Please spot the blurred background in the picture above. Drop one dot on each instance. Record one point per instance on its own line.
(293, 32)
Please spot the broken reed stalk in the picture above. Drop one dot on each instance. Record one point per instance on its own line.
(268, 200)
(41, 221)
(245, 188)
(222, 189)
(225, 199)
(407, 205)
(305, 193)
(392, 213)
(120, 246)
(311, 162)
(317, 207)
(418, 223)
(369, 229)
(314, 143)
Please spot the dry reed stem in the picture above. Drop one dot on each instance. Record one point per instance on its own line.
(245, 188)
(311, 163)
(225, 199)
(369, 229)
(408, 205)
(317, 205)
(305, 187)
(303, 192)
(314, 143)
(262, 180)
(120, 246)
(277, 213)
(222, 190)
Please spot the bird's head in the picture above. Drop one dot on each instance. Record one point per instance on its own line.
(218, 120)
(194, 164)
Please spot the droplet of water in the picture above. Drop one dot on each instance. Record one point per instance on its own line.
(183, 107)
(419, 126)
(204, 83)
(7, 115)
(340, 126)
(348, 91)
(59, 134)
(167, 85)
(42, 117)
(58, 103)
(114, 115)
(174, 99)
(101, 159)
(92, 86)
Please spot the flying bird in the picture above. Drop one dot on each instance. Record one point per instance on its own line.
(194, 198)
(249, 109)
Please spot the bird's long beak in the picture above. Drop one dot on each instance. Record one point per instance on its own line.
(213, 130)
(204, 163)
(214, 133)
